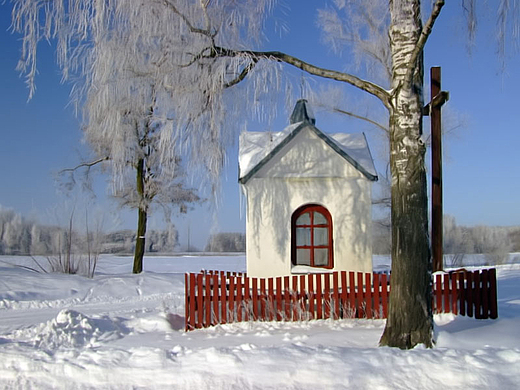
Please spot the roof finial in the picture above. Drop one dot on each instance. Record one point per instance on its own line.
(302, 113)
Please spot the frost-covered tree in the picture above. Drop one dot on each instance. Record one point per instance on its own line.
(126, 107)
(39, 244)
(226, 242)
(199, 52)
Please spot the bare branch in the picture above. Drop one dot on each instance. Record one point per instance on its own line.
(204, 7)
(38, 264)
(363, 118)
(203, 54)
(469, 8)
(192, 28)
(86, 164)
(242, 74)
(421, 42)
(364, 85)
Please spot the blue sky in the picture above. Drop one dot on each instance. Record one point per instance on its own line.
(481, 168)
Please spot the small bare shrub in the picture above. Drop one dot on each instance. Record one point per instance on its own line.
(72, 253)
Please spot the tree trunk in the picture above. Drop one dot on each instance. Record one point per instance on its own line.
(141, 221)
(410, 320)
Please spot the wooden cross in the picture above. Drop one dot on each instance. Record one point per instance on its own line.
(433, 109)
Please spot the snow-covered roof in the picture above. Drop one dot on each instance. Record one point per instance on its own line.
(257, 148)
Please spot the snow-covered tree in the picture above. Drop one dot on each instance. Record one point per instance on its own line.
(127, 108)
(226, 242)
(191, 52)
(38, 244)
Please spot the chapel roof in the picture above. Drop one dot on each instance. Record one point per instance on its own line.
(258, 148)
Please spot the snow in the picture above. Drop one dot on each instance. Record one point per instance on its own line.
(255, 146)
(356, 146)
(124, 331)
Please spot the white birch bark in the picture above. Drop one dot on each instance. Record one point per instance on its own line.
(410, 316)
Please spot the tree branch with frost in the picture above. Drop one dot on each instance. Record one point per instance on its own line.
(85, 164)
(69, 182)
(204, 6)
(364, 85)
(361, 27)
(421, 42)
(242, 74)
(469, 9)
(363, 118)
(205, 53)
(332, 99)
(206, 32)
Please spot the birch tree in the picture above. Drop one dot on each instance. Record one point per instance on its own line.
(199, 54)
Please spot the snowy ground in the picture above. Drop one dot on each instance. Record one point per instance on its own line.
(123, 331)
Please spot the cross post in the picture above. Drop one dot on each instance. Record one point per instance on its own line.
(438, 98)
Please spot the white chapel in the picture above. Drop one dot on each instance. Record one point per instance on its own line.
(308, 199)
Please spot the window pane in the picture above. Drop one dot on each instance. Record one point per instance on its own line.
(321, 236)
(303, 236)
(321, 257)
(304, 219)
(319, 219)
(303, 256)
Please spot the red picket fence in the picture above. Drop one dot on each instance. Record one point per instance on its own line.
(218, 298)
(472, 294)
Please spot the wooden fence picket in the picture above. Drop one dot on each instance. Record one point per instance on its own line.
(478, 295)
(270, 300)
(343, 295)
(263, 301)
(352, 294)
(190, 298)
(200, 296)
(360, 310)
(319, 302)
(286, 299)
(238, 287)
(302, 294)
(446, 291)
(254, 290)
(454, 293)
(368, 296)
(326, 296)
(462, 294)
(438, 293)
(335, 294)
(231, 299)
(206, 300)
(278, 309)
(294, 299)
(385, 290)
(469, 297)
(377, 303)
(493, 302)
(223, 299)
(484, 294)
(311, 295)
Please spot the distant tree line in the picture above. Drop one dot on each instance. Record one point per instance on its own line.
(496, 242)
(493, 241)
(21, 236)
(226, 242)
(123, 241)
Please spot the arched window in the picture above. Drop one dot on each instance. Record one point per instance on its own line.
(311, 237)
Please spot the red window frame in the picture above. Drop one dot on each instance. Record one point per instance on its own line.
(310, 209)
